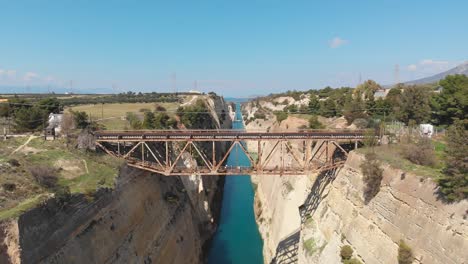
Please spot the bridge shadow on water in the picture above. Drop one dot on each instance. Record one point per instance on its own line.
(288, 248)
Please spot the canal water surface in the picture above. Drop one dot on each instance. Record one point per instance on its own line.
(237, 240)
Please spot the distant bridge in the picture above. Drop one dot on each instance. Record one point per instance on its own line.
(187, 152)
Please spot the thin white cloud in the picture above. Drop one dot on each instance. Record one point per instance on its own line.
(430, 66)
(337, 42)
(49, 78)
(433, 62)
(11, 73)
(7, 73)
(29, 76)
(412, 67)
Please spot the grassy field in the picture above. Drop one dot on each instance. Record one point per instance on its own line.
(391, 154)
(81, 172)
(112, 114)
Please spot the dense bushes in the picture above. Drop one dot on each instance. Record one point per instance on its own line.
(373, 175)
(45, 176)
(196, 115)
(420, 152)
(128, 97)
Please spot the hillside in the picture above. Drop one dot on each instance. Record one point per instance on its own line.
(460, 69)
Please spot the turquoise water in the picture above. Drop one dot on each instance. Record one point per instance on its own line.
(237, 240)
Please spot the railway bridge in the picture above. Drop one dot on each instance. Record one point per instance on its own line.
(188, 152)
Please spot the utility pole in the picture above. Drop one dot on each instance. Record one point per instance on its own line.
(397, 74)
(174, 83)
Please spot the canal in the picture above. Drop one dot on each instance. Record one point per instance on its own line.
(237, 240)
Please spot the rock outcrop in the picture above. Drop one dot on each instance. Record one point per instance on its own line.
(334, 214)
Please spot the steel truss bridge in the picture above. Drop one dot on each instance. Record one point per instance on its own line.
(188, 152)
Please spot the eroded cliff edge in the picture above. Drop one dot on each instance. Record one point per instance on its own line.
(307, 218)
(405, 208)
(146, 218)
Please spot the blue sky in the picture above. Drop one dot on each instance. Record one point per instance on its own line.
(231, 47)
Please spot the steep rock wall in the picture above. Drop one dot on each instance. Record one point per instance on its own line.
(146, 218)
(405, 208)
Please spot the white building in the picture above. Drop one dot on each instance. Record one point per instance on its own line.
(426, 130)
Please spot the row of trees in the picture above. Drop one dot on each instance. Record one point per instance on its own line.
(439, 105)
(128, 97)
(28, 115)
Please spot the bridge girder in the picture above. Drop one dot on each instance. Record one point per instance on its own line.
(176, 156)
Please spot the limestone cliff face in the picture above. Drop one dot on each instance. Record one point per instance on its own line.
(146, 218)
(334, 214)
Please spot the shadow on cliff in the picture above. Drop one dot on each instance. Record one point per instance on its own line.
(316, 194)
(287, 249)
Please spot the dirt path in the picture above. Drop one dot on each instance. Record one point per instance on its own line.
(24, 145)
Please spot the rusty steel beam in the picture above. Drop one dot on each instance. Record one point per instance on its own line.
(167, 158)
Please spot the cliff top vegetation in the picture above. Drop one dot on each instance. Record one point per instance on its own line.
(32, 172)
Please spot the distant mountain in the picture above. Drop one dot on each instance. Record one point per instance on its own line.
(460, 69)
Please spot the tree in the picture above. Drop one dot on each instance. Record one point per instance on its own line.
(81, 119)
(4, 110)
(328, 108)
(292, 108)
(196, 116)
(67, 126)
(373, 175)
(415, 104)
(367, 90)
(132, 118)
(50, 105)
(314, 105)
(405, 254)
(314, 123)
(149, 120)
(280, 116)
(354, 109)
(452, 102)
(454, 184)
(161, 121)
(29, 119)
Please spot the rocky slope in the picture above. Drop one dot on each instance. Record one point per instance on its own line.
(146, 218)
(334, 214)
(307, 218)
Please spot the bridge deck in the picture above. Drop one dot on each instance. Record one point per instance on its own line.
(226, 135)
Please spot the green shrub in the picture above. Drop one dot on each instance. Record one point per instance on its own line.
(314, 123)
(405, 254)
(352, 261)
(280, 116)
(346, 252)
(421, 153)
(310, 246)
